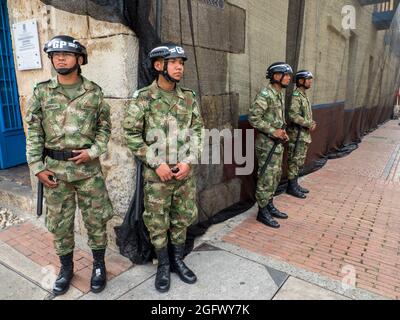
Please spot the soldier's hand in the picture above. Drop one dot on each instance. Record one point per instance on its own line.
(286, 137)
(164, 172)
(314, 127)
(82, 157)
(44, 177)
(184, 170)
(280, 134)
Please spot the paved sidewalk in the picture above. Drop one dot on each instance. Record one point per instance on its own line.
(340, 243)
(35, 243)
(350, 223)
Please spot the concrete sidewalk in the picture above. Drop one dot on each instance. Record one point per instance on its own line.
(341, 243)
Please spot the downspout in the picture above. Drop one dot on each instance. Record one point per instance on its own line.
(158, 18)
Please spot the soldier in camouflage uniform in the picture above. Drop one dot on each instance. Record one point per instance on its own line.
(267, 115)
(69, 127)
(299, 131)
(162, 120)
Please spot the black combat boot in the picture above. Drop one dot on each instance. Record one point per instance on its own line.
(99, 273)
(293, 190)
(274, 211)
(265, 217)
(179, 267)
(64, 278)
(304, 190)
(163, 276)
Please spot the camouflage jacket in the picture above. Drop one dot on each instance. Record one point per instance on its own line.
(300, 116)
(152, 118)
(58, 123)
(267, 114)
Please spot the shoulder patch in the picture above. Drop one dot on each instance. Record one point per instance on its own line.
(296, 94)
(138, 92)
(264, 93)
(96, 86)
(41, 82)
(187, 89)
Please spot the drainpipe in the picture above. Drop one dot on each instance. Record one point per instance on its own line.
(158, 18)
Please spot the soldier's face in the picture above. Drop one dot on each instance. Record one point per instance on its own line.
(286, 79)
(64, 59)
(176, 68)
(308, 83)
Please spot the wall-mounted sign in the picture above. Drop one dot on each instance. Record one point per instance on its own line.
(26, 41)
(215, 3)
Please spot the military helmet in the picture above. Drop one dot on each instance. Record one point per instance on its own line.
(278, 67)
(304, 74)
(168, 51)
(64, 43)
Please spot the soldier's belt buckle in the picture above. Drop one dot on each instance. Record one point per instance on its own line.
(175, 170)
(72, 155)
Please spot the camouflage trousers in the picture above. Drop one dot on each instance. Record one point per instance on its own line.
(297, 160)
(269, 182)
(169, 208)
(95, 206)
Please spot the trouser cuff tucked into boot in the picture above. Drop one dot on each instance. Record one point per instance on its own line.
(64, 278)
(179, 267)
(163, 276)
(265, 217)
(99, 273)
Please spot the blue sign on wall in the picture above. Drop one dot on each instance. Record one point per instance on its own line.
(12, 137)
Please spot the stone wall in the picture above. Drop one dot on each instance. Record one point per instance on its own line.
(347, 71)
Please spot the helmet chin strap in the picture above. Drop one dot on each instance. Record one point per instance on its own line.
(65, 71)
(303, 85)
(166, 74)
(284, 86)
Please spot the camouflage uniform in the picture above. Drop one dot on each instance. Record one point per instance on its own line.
(300, 116)
(58, 123)
(169, 206)
(267, 114)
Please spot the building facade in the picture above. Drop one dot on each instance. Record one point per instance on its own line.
(230, 44)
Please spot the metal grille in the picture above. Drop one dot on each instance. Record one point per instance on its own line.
(10, 117)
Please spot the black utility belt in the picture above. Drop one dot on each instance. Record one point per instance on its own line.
(297, 126)
(271, 137)
(62, 155)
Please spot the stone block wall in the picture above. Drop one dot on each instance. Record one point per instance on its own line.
(326, 49)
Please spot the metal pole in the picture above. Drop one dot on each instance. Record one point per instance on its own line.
(158, 18)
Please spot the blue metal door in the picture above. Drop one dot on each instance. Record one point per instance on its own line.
(12, 138)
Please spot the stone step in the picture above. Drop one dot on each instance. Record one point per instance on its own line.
(20, 199)
(14, 195)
